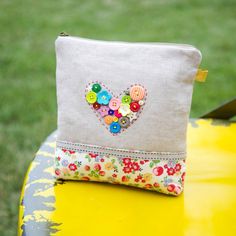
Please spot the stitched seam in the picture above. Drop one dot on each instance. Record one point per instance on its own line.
(120, 152)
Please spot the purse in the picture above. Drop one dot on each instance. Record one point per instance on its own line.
(123, 110)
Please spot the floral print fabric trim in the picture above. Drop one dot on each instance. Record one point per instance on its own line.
(165, 176)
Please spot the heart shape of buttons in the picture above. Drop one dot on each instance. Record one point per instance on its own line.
(116, 113)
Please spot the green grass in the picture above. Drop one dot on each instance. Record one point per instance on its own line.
(27, 65)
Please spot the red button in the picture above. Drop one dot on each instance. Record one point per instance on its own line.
(117, 114)
(96, 106)
(134, 106)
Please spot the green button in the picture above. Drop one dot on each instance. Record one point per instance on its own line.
(96, 88)
(91, 97)
(126, 99)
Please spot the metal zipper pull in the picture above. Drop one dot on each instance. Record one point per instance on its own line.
(63, 34)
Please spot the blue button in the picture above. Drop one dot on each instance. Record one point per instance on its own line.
(115, 127)
(110, 112)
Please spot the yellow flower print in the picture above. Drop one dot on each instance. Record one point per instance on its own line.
(109, 166)
(73, 156)
(147, 177)
(65, 171)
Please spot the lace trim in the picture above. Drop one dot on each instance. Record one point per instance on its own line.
(79, 147)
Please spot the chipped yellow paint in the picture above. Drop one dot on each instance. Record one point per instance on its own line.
(207, 206)
(21, 207)
(46, 181)
(45, 154)
(39, 216)
(49, 170)
(45, 193)
(51, 144)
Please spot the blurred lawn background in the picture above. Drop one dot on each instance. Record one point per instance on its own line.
(27, 65)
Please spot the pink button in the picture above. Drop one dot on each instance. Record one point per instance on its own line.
(117, 114)
(114, 104)
(137, 92)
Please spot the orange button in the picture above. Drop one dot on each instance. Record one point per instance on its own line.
(137, 92)
(108, 119)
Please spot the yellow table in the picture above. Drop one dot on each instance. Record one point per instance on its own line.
(207, 206)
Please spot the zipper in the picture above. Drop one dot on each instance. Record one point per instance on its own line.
(64, 34)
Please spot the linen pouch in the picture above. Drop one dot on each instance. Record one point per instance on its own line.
(123, 110)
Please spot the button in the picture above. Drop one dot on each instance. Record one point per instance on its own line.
(108, 119)
(132, 116)
(124, 122)
(141, 102)
(96, 106)
(124, 109)
(91, 97)
(104, 97)
(117, 114)
(103, 110)
(96, 88)
(115, 119)
(114, 104)
(137, 92)
(115, 127)
(110, 112)
(134, 106)
(126, 99)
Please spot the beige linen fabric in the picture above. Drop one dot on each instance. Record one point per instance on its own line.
(167, 71)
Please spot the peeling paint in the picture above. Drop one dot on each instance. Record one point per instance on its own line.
(38, 197)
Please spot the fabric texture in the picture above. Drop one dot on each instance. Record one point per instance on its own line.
(163, 74)
(165, 176)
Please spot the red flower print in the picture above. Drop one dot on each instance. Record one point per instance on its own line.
(114, 175)
(136, 180)
(178, 167)
(143, 181)
(171, 171)
(142, 162)
(126, 160)
(57, 172)
(165, 166)
(125, 179)
(72, 167)
(97, 167)
(135, 166)
(177, 190)
(93, 155)
(171, 187)
(102, 160)
(148, 186)
(71, 152)
(58, 158)
(87, 167)
(127, 169)
(156, 185)
(102, 173)
(183, 176)
(139, 177)
(146, 160)
(64, 150)
(158, 171)
(85, 178)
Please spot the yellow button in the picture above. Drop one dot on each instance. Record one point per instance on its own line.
(115, 119)
(91, 97)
